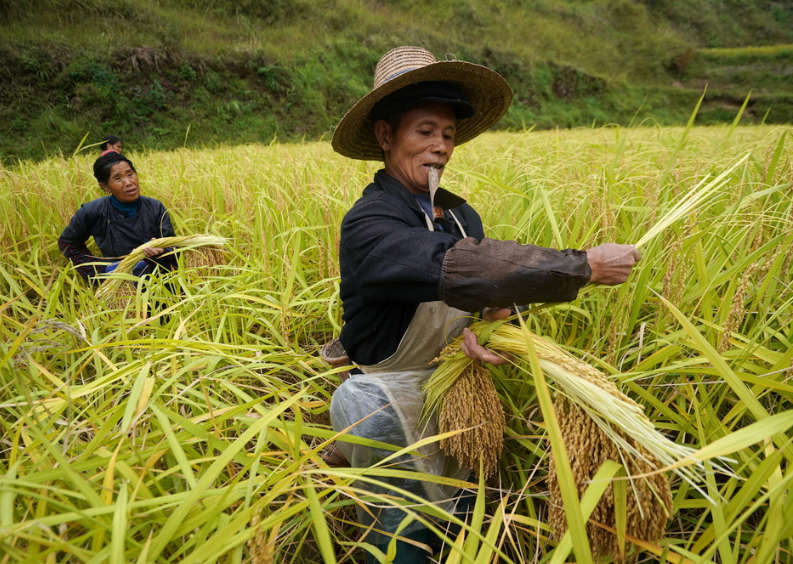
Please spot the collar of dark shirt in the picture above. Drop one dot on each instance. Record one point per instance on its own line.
(436, 214)
(128, 209)
(443, 198)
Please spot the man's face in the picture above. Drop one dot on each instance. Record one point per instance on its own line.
(423, 139)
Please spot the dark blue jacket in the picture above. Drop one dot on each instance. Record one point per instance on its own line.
(115, 234)
(390, 263)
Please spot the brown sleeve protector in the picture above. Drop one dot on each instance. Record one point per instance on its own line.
(493, 273)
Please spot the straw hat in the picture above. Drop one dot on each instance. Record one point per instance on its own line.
(484, 89)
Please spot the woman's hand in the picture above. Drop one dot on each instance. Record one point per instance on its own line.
(150, 252)
(472, 349)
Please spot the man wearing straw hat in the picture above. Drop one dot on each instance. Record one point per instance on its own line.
(415, 266)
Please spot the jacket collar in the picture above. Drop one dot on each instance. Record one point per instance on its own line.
(443, 198)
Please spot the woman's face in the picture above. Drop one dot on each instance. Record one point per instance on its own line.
(423, 139)
(118, 146)
(122, 183)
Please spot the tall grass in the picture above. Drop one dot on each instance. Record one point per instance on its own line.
(187, 426)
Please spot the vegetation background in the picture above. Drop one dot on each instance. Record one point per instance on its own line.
(187, 426)
(169, 73)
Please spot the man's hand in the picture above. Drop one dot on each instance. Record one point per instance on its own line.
(472, 349)
(495, 313)
(611, 264)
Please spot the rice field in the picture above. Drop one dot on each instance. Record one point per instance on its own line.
(185, 425)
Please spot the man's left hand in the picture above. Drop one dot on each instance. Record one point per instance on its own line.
(472, 349)
(495, 313)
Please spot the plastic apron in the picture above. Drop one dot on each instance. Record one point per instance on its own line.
(384, 404)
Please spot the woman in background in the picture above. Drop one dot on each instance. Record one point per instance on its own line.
(112, 144)
(118, 222)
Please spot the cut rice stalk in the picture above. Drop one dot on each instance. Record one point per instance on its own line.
(685, 205)
(112, 282)
(616, 414)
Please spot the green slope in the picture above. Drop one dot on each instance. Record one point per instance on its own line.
(163, 73)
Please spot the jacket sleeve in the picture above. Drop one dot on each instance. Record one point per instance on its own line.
(84, 262)
(80, 227)
(477, 274)
(72, 245)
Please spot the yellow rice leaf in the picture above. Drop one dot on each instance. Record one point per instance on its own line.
(107, 483)
(118, 540)
(134, 396)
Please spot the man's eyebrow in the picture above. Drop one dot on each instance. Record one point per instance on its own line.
(436, 123)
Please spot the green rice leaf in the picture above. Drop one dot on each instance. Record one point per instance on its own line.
(572, 507)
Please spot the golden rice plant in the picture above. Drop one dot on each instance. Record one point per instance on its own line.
(205, 260)
(113, 282)
(129, 442)
(123, 295)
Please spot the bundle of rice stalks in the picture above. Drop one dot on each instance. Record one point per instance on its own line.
(472, 404)
(112, 283)
(125, 292)
(600, 423)
(648, 505)
(205, 260)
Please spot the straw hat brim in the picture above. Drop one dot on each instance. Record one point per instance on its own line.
(486, 90)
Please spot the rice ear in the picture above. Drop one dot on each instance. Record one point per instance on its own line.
(205, 260)
(123, 296)
(649, 500)
(472, 406)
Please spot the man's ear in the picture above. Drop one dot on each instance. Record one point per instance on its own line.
(383, 134)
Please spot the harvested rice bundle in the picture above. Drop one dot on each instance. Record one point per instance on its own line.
(599, 422)
(649, 504)
(112, 283)
(472, 403)
(588, 388)
(205, 260)
(125, 292)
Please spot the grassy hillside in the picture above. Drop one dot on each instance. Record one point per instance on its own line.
(167, 73)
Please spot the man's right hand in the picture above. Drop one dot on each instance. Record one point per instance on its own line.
(611, 263)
